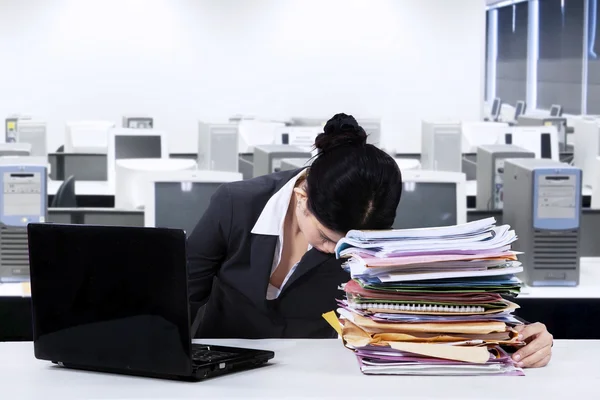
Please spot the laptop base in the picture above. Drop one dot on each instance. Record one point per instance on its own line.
(199, 374)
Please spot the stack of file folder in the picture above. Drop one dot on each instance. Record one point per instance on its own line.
(431, 301)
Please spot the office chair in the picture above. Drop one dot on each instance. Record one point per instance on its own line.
(65, 196)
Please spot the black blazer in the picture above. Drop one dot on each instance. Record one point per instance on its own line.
(229, 270)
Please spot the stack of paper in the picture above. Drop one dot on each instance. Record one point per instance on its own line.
(431, 301)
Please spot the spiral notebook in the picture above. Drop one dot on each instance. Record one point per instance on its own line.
(433, 309)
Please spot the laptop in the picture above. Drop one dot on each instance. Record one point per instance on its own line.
(115, 299)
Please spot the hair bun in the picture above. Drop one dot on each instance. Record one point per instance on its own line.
(341, 130)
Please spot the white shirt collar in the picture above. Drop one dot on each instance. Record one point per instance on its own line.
(272, 216)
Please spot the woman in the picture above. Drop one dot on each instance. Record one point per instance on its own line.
(261, 258)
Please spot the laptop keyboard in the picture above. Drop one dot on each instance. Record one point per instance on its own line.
(203, 353)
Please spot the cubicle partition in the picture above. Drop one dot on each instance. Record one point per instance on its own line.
(96, 216)
(84, 167)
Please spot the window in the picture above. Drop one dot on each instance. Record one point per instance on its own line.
(593, 59)
(511, 65)
(487, 49)
(560, 63)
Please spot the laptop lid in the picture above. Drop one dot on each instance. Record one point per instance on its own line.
(110, 298)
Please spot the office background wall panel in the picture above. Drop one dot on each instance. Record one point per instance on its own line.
(181, 61)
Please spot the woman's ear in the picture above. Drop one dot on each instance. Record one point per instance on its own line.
(301, 194)
(301, 198)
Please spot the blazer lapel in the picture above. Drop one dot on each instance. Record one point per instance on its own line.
(262, 250)
(311, 260)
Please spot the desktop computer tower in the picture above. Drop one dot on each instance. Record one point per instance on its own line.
(490, 173)
(218, 147)
(23, 199)
(441, 146)
(542, 203)
(34, 133)
(267, 158)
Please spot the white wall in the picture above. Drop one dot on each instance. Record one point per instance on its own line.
(184, 60)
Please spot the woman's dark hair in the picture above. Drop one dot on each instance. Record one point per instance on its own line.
(352, 184)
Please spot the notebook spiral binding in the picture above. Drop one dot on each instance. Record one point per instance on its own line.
(417, 307)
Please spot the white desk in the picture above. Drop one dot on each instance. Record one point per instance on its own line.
(408, 163)
(302, 369)
(15, 290)
(84, 188)
(96, 210)
(471, 189)
(589, 285)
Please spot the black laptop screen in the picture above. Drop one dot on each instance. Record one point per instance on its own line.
(110, 297)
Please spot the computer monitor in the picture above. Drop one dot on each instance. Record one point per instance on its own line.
(126, 143)
(587, 148)
(132, 177)
(478, 133)
(520, 108)
(431, 198)
(541, 140)
(87, 137)
(179, 199)
(34, 133)
(218, 147)
(556, 110)
(496, 109)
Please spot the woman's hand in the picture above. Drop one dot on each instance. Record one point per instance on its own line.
(538, 351)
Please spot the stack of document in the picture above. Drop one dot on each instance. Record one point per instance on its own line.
(431, 301)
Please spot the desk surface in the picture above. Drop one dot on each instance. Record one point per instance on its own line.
(95, 210)
(471, 189)
(84, 188)
(589, 285)
(102, 188)
(302, 369)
